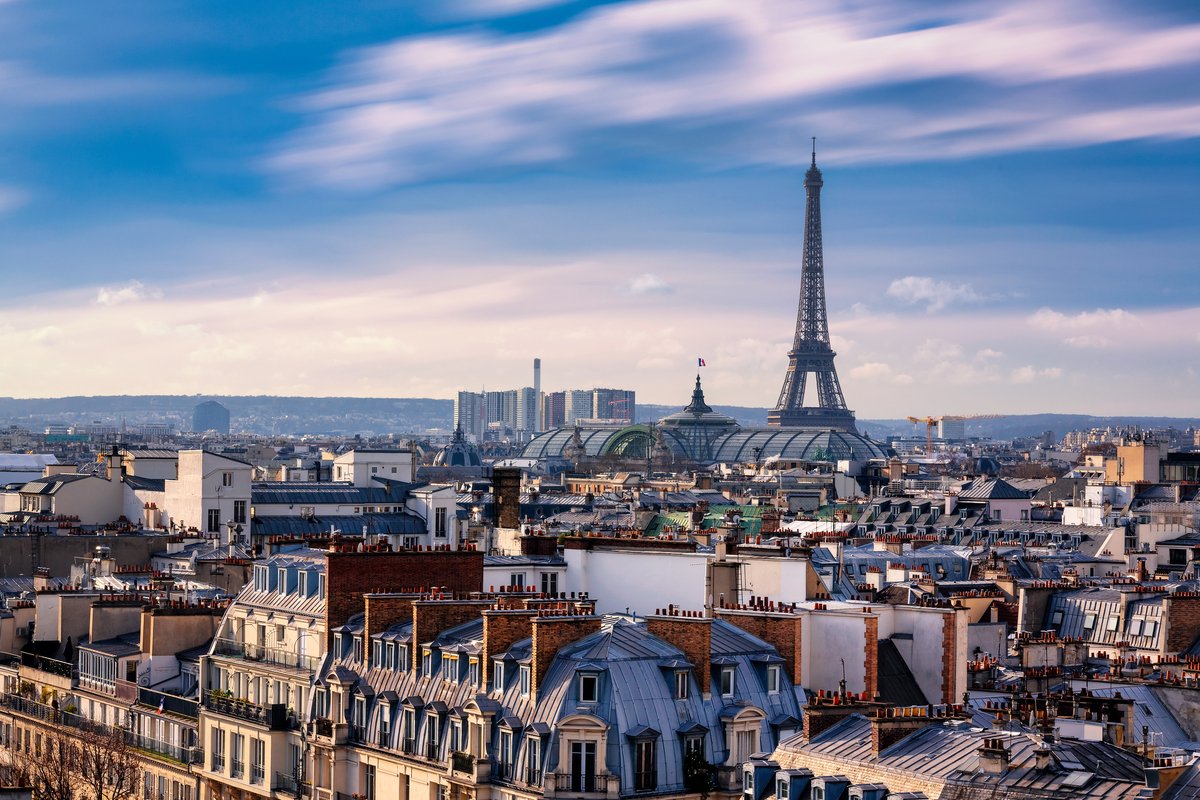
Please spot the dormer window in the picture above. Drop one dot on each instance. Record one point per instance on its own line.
(498, 676)
(376, 654)
(358, 648)
(426, 661)
(781, 789)
(524, 679)
(450, 667)
(728, 681)
(403, 663)
(773, 674)
(589, 687)
(682, 684)
(473, 671)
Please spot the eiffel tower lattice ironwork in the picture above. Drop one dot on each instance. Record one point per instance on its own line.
(810, 351)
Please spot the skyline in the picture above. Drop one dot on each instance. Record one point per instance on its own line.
(422, 197)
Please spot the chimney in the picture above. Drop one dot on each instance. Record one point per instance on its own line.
(890, 725)
(385, 610)
(506, 490)
(782, 630)
(993, 756)
(431, 617)
(690, 632)
(115, 470)
(501, 630)
(551, 634)
(1043, 758)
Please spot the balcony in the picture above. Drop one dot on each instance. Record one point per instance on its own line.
(533, 776)
(465, 766)
(46, 713)
(288, 784)
(275, 716)
(231, 648)
(566, 783)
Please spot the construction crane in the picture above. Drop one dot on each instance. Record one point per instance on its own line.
(932, 422)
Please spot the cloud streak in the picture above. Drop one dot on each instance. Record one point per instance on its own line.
(1006, 76)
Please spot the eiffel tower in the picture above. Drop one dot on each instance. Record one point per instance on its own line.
(810, 351)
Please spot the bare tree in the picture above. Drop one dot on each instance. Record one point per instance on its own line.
(50, 766)
(109, 764)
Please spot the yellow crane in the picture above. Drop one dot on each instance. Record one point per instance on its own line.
(932, 422)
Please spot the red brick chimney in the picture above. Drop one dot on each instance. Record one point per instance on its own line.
(780, 629)
(385, 610)
(691, 632)
(350, 573)
(551, 633)
(431, 617)
(502, 628)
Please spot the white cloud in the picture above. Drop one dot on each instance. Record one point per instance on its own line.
(758, 69)
(1029, 374)
(649, 283)
(988, 354)
(878, 372)
(131, 292)
(1051, 320)
(934, 295)
(1089, 341)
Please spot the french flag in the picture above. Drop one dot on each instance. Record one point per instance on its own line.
(701, 362)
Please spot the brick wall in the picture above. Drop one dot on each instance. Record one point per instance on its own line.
(871, 655)
(551, 634)
(385, 610)
(502, 629)
(818, 718)
(692, 635)
(431, 617)
(349, 575)
(1182, 615)
(949, 660)
(886, 731)
(781, 631)
(506, 485)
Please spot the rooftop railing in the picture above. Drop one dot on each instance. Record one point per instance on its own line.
(281, 657)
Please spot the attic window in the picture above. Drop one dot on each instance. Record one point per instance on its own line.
(728, 681)
(589, 687)
(1056, 618)
(1111, 625)
(682, 684)
(1089, 621)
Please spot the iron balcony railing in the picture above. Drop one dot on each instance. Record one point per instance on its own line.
(462, 762)
(64, 669)
(47, 713)
(288, 784)
(274, 716)
(277, 656)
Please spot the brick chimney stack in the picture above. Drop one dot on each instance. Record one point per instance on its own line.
(553, 631)
(690, 632)
(502, 628)
(777, 625)
(384, 610)
(994, 756)
(431, 617)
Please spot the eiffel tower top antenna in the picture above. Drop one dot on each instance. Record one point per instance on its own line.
(814, 160)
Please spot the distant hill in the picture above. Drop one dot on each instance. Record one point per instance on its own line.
(382, 415)
(253, 413)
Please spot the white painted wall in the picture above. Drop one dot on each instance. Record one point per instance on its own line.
(639, 580)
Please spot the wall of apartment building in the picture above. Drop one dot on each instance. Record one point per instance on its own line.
(202, 486)
(641, 580)
(24, 553)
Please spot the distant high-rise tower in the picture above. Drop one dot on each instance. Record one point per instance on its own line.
(210, 416)
(810, 349)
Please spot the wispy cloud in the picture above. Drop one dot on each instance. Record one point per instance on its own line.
(649, 283)
(130, 292)
(1004, 76)
(934, 295)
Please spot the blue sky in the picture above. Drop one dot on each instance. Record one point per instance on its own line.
(407, 198)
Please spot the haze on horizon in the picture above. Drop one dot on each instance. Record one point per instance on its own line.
(421, 196)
